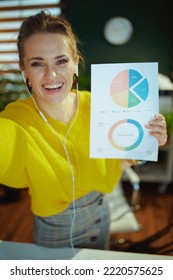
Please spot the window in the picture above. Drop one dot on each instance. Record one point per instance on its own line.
(12, 13)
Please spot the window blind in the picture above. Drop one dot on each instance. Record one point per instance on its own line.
(12, 13)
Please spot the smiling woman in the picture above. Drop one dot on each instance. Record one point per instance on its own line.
(49, 140)
(49, 59)
(50, 67)
(47, 137)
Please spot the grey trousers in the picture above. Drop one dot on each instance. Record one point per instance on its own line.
(89, 229)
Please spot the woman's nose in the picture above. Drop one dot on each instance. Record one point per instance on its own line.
(51, 72)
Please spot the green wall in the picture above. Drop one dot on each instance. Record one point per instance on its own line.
(151, 40)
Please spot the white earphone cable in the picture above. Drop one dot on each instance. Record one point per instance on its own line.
(67, 155)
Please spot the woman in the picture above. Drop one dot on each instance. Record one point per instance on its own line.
(45, 141)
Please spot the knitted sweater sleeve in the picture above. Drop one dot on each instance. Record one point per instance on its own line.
(13, 151)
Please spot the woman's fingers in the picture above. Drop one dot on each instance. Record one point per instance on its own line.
(158, 128)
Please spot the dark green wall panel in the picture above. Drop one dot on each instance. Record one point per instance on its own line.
(151, 40)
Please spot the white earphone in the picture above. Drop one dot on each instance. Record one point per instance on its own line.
(77, 72)
(23, 76)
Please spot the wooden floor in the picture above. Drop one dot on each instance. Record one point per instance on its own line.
(16, 219)
(155, 216)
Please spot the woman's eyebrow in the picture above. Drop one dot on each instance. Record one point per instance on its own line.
(35, 58)
(59, 56)
(40, 58)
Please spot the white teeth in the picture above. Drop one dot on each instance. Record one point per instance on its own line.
(53, 86)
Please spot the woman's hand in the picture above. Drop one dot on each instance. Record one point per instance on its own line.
(157, 128)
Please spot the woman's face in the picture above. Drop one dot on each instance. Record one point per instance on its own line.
(49, 66)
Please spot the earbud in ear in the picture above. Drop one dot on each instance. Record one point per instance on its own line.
(76, 72)
(75, 78)
(23, 76)
(26, 80)
(28, 85)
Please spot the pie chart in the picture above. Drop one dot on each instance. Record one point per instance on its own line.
(126, 131)
(129, 88)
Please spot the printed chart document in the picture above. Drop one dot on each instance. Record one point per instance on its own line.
(124, 97)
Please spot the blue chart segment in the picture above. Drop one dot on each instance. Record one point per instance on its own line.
(129, 88)
(126, 134)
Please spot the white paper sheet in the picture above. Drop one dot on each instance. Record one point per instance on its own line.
(124, 97)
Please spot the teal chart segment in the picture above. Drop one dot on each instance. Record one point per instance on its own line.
(138, 138)
(129, 88)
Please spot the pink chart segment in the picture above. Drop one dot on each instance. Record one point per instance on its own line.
(129, 88)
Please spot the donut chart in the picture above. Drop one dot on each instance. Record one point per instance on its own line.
(135, 132)
(129, 88)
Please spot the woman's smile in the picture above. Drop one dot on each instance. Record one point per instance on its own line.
(50, 68)
(53, 89)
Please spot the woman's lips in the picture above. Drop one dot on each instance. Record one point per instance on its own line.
(53, 89)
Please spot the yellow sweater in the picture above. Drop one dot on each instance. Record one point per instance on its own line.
(32, 156)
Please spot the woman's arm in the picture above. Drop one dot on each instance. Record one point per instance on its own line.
(13, 150)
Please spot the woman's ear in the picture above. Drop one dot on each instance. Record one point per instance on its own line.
(75, 77)
(22, 72)
(23, 76)
(29, 86)
(76, 70)
(20, 67)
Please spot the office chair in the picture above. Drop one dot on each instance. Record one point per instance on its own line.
(122, 217)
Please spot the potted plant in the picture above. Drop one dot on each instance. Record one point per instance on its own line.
(169, 121)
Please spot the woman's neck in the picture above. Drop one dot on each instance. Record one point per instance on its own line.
(62, 112)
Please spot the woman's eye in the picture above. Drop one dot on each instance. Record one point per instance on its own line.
(62, 61)
(37, 64)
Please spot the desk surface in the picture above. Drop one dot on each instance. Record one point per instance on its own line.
(26, 251)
